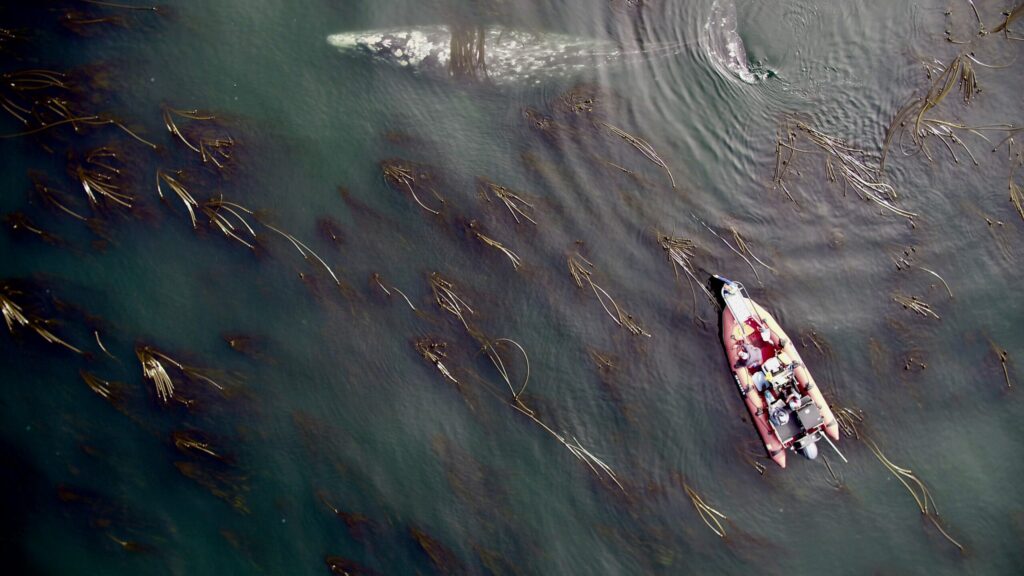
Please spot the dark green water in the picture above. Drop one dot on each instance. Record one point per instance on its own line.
(336, 409)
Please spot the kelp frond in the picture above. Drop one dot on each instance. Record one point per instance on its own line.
(582, 271)
(180, 190)
(448, 299)
(516, 205)
(15, 317)
(154, 368)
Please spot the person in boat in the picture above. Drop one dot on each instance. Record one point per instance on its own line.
(749, 356)
(794, 401)
(780, 416)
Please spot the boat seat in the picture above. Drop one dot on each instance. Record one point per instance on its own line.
(809, 415)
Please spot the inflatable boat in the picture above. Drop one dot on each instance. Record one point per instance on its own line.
(785, 404)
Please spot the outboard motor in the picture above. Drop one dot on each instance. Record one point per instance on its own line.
(810, 451)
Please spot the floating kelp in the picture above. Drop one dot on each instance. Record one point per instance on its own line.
(905, 354)
(595, 464)
(331, 230)
(406, 176)
(513, 201)
(905, 261)
(210, 468)
(20, 223)
(941, 279)
(122, 5)
(179, 189)
(129, 545)
(229, 218)
(169, 115)
(680, 253)
(915, 118)
(35, 79)
(475, 230)
(50, 106)
(492, 348)
(1004, 357)
(644, 147)
(153, 369)
(911, 363)
(101, 178)
(605, 363)
(584, 100)
(305, 251)
(848, 419)
(54, 198)
(443, 558)
(433, 351)
(915, 304)
(1016, 192)
(192, 443)
(253, 347)
(843, 162)
(109, 391)
(359, 525)
(577, 117)
(833, 479)
(448, 299)
(545, 124)
(81, 22)
(20, 92)
(744, 247)
(711, 517)
(1008, 18)
(735, 250)
(227, 486)
(345, 567)
(917, 489)
(211, 148)
(15, 316)
(754, 455)
(582, 271)
(377, 280)
(232, 219)
(216, 151)
(813, 338)
(101, 15)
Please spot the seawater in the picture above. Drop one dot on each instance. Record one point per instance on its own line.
(333, 410)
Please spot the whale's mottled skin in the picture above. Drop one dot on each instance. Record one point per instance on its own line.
(509, 55)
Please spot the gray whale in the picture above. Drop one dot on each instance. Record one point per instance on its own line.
(724, 44)
(498, 54)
